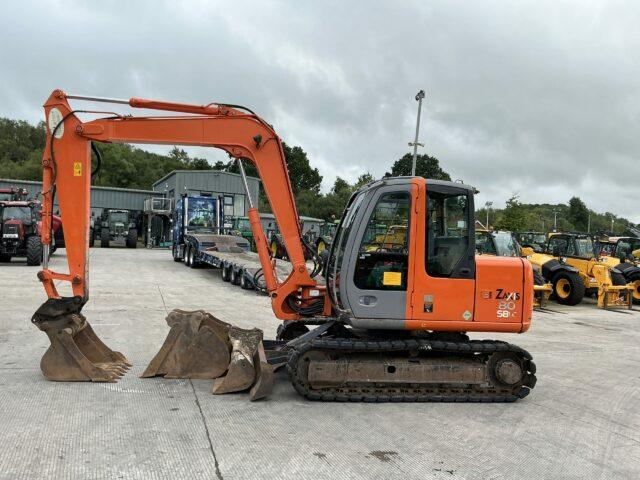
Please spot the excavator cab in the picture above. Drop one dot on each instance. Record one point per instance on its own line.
(429, 276)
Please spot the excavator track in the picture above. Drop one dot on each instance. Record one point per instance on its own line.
(411, 370)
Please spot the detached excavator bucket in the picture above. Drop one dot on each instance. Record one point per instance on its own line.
(197, 346)
(263, 375)
(76, 354)
(241, 374)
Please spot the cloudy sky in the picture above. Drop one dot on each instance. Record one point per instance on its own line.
(538, 98)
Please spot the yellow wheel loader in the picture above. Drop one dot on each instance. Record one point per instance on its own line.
(571, 264)
(504, 244)
(624, 256)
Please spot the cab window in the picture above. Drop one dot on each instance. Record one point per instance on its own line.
(561, 244)
(448, 239)
(384, 249)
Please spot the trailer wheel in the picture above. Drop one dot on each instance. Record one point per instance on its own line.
(104, 238)
(568, 288)
(34, 251)
(132, 238)
(237, 275)
(226, 274)
(244, 283)
(5, 258)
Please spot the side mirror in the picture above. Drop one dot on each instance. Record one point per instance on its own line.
(527, 251)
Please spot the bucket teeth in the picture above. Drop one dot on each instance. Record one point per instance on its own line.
(241, 373)
(197, 346)
(76, 353)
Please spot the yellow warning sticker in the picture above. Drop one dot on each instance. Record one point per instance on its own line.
(77, 169)
(392, 278)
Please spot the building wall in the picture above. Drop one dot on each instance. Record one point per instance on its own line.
(210, 182)
(101, 197)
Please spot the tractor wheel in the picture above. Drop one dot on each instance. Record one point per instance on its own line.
(5, 258)
(568, 288)
(92, 238)
(132, 238)
(617, 278)
(226, 273)
(174, 251)
(34, 251)
(104, 238)
(635, 280)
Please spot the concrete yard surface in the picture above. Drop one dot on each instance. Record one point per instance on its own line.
(581, 421)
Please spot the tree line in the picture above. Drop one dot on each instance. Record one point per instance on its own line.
(125, 166)
(573, 216)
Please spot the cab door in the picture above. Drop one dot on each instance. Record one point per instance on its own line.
(443, 271)
(376, 278)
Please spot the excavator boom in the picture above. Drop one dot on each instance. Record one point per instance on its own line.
(243, 135)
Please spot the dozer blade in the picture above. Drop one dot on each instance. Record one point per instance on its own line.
(76, 354)
(264, 375)
(197, 346)
(241, 374)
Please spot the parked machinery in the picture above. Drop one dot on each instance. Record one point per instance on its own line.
(388, 325)
(20, 229)
(242, 227)
(325, 237)
(570, 262)
(116, 226)
(198, 224)
(503, 244)
(535, 240)
(624, 256)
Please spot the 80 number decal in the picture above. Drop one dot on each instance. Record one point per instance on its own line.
(506, 309)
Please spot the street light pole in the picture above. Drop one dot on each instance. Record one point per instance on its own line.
(488, 206)
(419, 96)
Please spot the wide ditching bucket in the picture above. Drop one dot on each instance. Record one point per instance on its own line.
(197, 346)
(201, 346)
(76, 354)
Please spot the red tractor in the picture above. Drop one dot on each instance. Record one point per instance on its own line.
(20, 228)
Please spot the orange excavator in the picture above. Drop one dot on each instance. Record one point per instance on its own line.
(386, 324)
